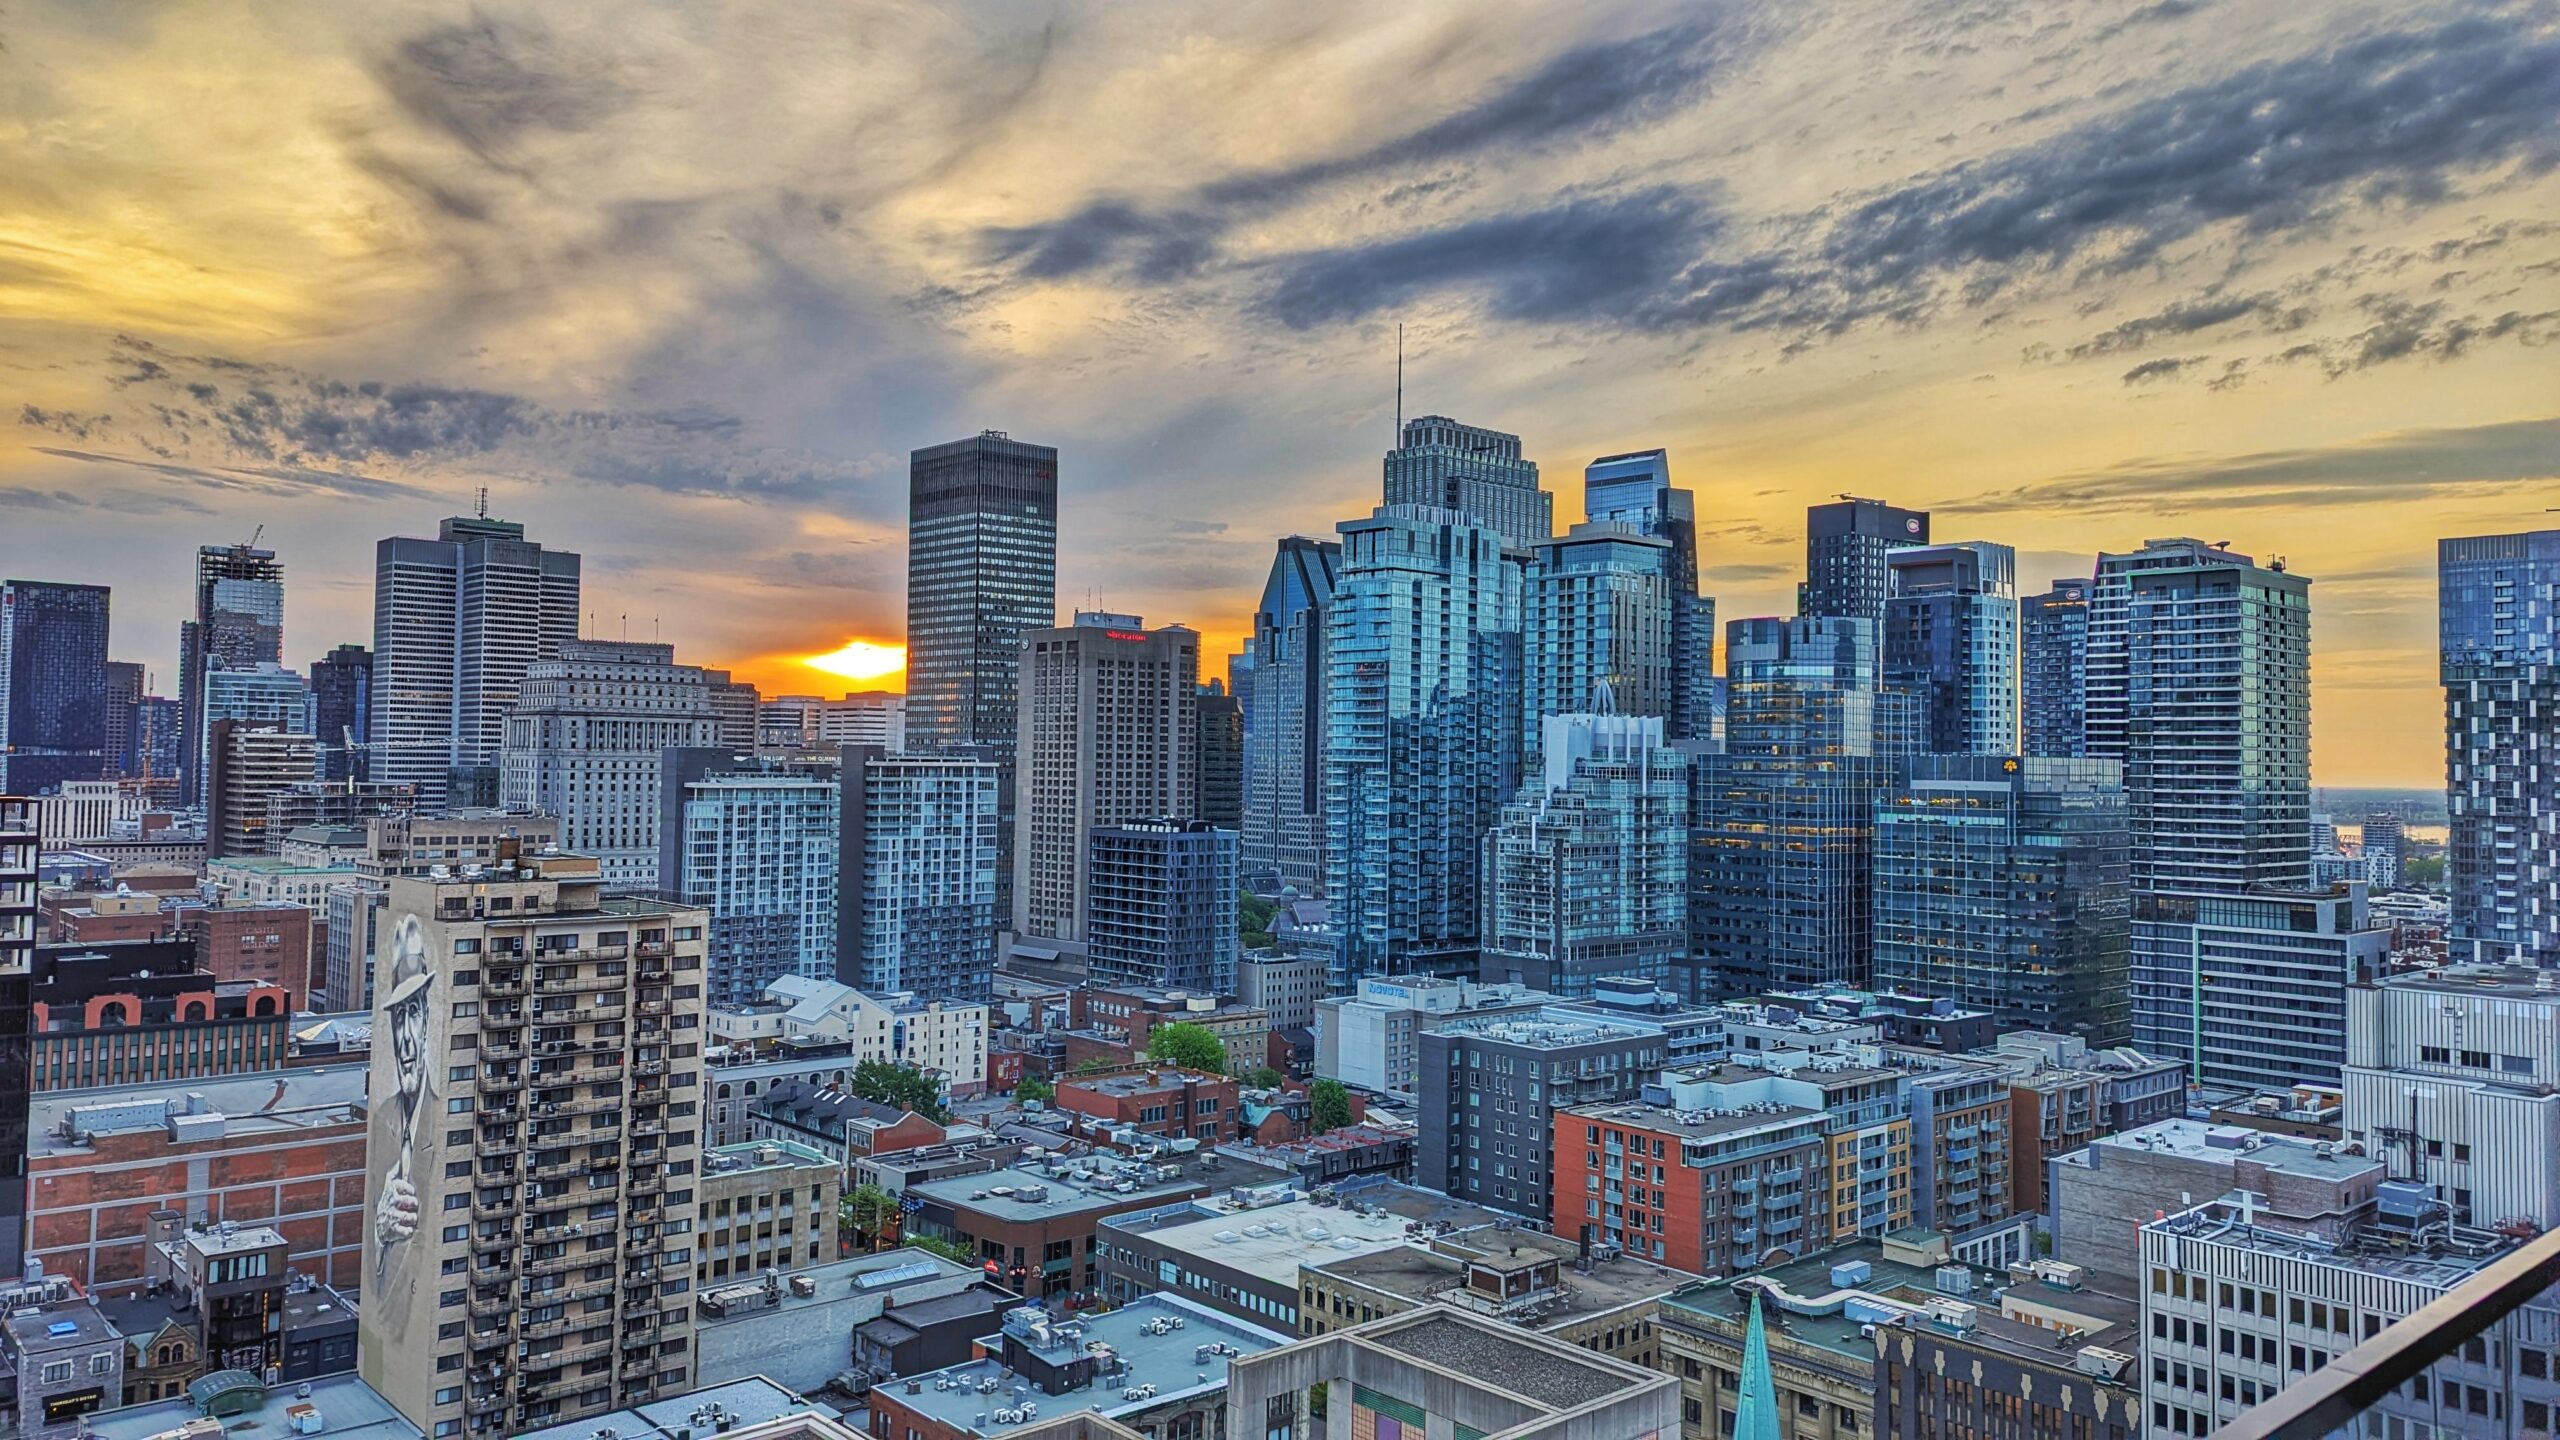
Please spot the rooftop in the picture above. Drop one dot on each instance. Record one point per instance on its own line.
(835, 1285)
(1044, 1189)
(2445, 1259)
(2228, 1144)
(752, 1401)
(1693, 1124)
(1164, 1340)
(300, 1097)
(1558, 1380)
(1435, 1272)
(748, 1156)
(1268, 1242)
(1163, 1080)
(1549, 1027)
(345, 1404)
(2505, 982)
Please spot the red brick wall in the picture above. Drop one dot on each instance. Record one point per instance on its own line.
(254, 943)
(88, 1214)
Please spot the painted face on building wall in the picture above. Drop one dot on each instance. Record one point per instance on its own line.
(406, 1015)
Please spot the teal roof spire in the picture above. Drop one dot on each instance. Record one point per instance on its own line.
(1755, 1411)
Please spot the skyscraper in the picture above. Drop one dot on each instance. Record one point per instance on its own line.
(1282, 844)
(754, 844)
(21, 843)
(1635, 489)
(1845, 544)
(251, 760)
(1217, 772)
(1951, 636)
(1108, 734)
(2001, 884)
(342, 710)
(1587, 875)
(1476, 472)
(2199, 682)
(457, 620)
(2053, 669)
(587, 741)
(1160, 906)
(2498, 606)
(53, 685)
(125, 681)
(1599, 611)
(920, 836)
(239, 621)
(982, 569)
(1782, 821)
(1422, 735)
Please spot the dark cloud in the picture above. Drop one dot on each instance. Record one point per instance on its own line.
(2382, 469)
(1583, 96)
(2166, 367)
(282, 481)
(2406, 116)
(490, 82)
(78, 424)
(2209, 311)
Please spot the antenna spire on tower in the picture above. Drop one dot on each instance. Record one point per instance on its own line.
(1399, 382)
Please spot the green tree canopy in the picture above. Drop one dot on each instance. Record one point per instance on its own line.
(1253, 920)
(1263, 1077)
(1190, 1046)
(901, 1085)
(1328, 1106)
(1035, 1091)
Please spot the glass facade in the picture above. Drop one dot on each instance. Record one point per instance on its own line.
(1951, 637)
(2499, 607)
(239, 621)
(2054, 669)
(921, 834)
(2000, 883)
(1587, 875)
(342, 709)
(1479, 473)
(1845, 545)
(53, 685)
(1282, 843)
(758, 851)
(1160, 907)
(1635, 489)
(1422, 735)
(1600, 615)
(982, 568)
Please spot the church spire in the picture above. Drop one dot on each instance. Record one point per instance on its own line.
(1755, 1411)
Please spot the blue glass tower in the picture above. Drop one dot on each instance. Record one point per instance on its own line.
(1282, 843)
(53, 685)
(1635, 490)
(1588, 874)
(1951, 636)
(1600, 612)
(2053, 669)
(2498, 599)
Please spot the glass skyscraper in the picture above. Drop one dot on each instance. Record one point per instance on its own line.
(982, 568)
(1635, 489)
(2001, 883)
(1282, 845)
(1782, 822)
(1845, 545)
(239, 621)
(1951, 637)
(342, 710)
(2498, 602)
(1422, 735)
(920, 837)
(1160, 906)
(53, 685)
(1479, 473)
(2053, 669)
(754, 844)
(1587, 875)
(1600, 612)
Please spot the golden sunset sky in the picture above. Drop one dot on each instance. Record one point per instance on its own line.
(681, 285)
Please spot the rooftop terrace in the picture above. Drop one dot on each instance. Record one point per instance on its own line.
(1171, 1349)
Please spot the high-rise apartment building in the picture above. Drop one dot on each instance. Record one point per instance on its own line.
(53, 685)
(20, 844)
(1492, 1086)
(586, 740)
(534, 1149)
(1160, 906)
(1782, 821)
(1282, 843)
(2498, 607)
(1109, 734)
(2385, 841)
(920, 840)
(260, 694)
(252, 761)
(754, 845)
(1217, 769)
(124, 689)
(2250, 991)
(1422, 735)
(1845, 545)
(457, 620)
(1951, 637)
(2053, 669)
(1587, 875)
(982, 570)
(1600, 613)
(1635, 490)
(2001, 883)
(1476, 472)
(342, 710)
(238, 622)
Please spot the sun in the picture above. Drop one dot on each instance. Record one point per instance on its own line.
(860, 660)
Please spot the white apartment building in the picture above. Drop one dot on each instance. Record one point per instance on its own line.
(584, 743)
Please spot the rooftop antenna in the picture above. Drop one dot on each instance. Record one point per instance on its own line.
(484, 502)
(1399, 383)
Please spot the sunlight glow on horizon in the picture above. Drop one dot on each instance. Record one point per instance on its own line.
(860, 660)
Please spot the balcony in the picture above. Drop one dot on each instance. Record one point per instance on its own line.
(1745, 1184)
(495, 1053)
(654, 975)
(1784, 1226)
(513, 984)
(494, 1083)
(653, 1007)
(1745, 1210)
(1785, 1174)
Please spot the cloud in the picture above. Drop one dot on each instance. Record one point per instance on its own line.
(491, 83)
(2379, 469)
(2161, 369)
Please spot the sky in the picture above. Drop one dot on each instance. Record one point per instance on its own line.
(681, 285)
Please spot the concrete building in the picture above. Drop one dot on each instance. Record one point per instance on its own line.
(803, 1331)
(1160, 905)
(1283, 986)
(550, 1014)
(1707, 1191)
(586, 742)
(762, 1207)
(238, 623)
(1240, 1253)
(2452, 1076)
(2498, 603)
(1422, 727)
(1478, 473)
(21, 844)
(1039, 1236)
(1440, 1370)
(409, 845)
(457, 622)
(819, 1020)
(248, 763)
(1862, 1181)
(925, 835)
(806, 722)
(1282, 843)
(1587, 874)
(1542, 1283)
(281, 1147)
(2054, 669)
(1162, 1369)
(1950, 635)
(1492, 1086)
(1369, 1039)
(1109, 735)
(2250, 991)
(1846, 545)
(2162, 1169)
(1960, 1154)
(2063, 1095)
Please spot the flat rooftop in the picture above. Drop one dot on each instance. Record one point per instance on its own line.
(1091, 1183)
(747, 1156)
(2203, 1143)
(268, 1102)
(1435, 1273)
(1167, 1080)
(1558, 1380)
(1269, 1242)
(2363, 1250)
(839, 1284)
(1546, 1028)
(752, 1401)
(2505, 982)
(1171, 1361)
(346, 1405)
(1803, 1302)
(1692, 1124)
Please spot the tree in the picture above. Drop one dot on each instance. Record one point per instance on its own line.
(1253, 920)
(943, 1248)
(1263, 1077)
(1034, 1092)
(2423, 871)
(901, 1085)
(1328, 1106)
(1095, 1065)
(1190, 1046)
(866, 1211)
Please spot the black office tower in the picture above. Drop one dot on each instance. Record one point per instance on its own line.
(342, 696)
(53, 685)
(1845, 543)
(20, 844)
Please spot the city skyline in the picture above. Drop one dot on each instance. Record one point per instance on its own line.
(452, 215)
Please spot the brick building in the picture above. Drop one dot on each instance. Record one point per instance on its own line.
(1712, 1192)
(138, 1011)
(267, 944)
(1032, 1227)
(282, 1148)
(1166, 1103)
